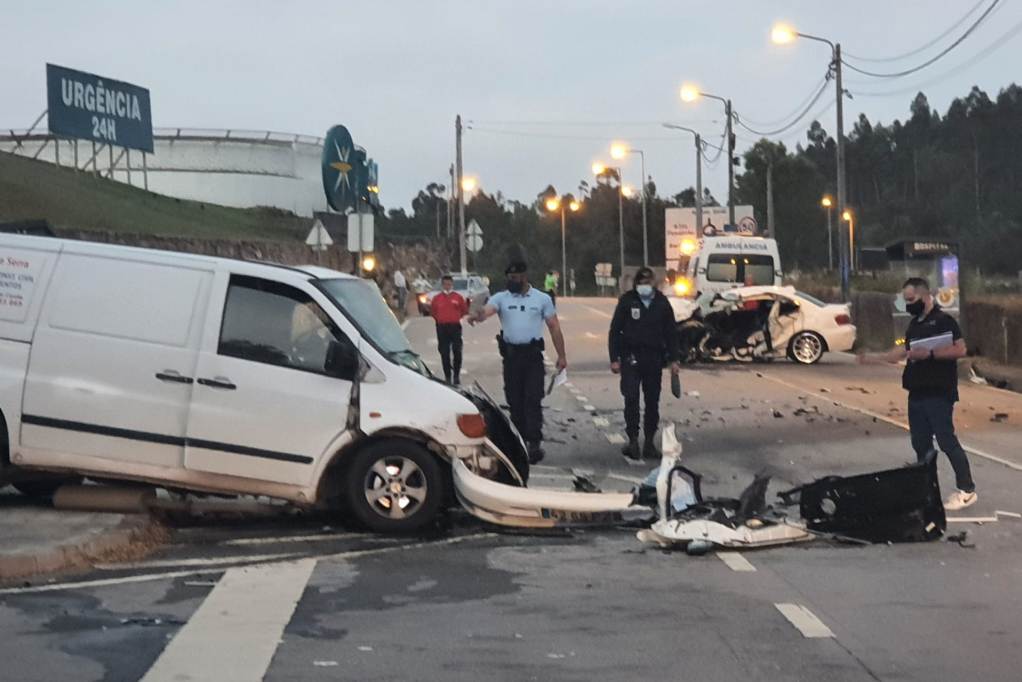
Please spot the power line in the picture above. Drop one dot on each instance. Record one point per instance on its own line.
(979, 56)
(551, 122)
(794, 122)
(799, 108)
(921, 48)
(558, 136)
(939, 55)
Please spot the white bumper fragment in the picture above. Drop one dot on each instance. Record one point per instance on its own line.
(507, 505)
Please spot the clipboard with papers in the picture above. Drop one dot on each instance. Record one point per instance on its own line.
(932, 342)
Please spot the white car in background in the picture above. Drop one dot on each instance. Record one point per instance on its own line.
(474, 288)
(761, 322)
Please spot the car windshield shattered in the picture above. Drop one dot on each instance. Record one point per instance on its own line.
(363, 303)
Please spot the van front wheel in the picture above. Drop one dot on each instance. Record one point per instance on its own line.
(394, 486)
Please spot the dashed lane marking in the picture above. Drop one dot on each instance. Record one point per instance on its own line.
(588, 408)
(581, 398)
(616, 438)
(601, 422)
(886, 419)
(599, 312)
(805, 621)
(736, 562)
(233, 635)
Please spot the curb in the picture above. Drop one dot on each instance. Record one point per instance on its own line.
(130, 539)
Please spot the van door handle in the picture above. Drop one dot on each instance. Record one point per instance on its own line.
(218, 382)
(173, 376)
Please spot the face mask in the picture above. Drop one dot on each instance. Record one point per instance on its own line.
(915, 308)
(644, 290)
(515, 287)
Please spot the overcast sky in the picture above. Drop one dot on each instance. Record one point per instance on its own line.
(396, 73)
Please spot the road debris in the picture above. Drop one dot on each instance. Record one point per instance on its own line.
(1008, 514)
(962, 539)
(999, 417)
(860, 389)
(777, 414)
(979, 520)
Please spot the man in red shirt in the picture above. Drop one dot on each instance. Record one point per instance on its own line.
(447, 308)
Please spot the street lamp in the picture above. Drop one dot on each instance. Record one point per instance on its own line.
(628, 191)
(849, 218)
(699, 172)
(828, 204)
(469, 183)
(600, 168)
(619, 151)
(783, 34)
(554, 204)
(691, 93)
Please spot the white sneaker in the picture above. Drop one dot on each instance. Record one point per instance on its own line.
(960, 500)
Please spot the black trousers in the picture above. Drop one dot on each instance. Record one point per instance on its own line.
(523, 388)
(933, 416)
(645, 374)
(449, 342)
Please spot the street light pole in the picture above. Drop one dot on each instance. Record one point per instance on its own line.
(699, 173)
(461, 195)
(564, 256)
(730, 165)
(645, 232)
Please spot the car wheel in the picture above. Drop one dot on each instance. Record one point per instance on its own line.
(394, 486)
(806, 348)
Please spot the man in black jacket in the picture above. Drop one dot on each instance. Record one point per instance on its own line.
(643, 335)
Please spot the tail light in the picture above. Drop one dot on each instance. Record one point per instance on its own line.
(843, 318)
(472, 425)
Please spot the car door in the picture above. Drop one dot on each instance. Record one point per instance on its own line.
(112, 361)
(264, 405)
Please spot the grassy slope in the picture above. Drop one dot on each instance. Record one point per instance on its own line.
(35, 189)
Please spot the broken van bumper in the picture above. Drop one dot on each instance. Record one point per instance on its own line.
(508, 505)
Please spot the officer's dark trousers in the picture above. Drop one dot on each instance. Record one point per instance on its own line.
(523, 388)
(449, 343)
(930, 416)
(646, 375)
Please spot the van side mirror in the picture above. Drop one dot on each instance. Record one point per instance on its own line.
(341, 361)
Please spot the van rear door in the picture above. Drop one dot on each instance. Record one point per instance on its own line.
(112, 361)
(264, 405)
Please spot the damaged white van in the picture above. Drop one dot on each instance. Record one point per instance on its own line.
(224, 376)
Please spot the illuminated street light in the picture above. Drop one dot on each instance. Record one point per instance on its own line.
(574, 206)
(849, 218)
(628, 191)
(827, 202)
(783, 34)
(620, 150)
(469, 183)
(553, 204)
(599, 168)
(691, 93)
(368, 264)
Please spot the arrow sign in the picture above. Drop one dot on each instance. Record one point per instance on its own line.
(318, 237)
(473, 229)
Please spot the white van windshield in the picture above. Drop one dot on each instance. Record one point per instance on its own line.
(363, 303)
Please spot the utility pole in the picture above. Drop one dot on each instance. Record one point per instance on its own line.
(564, 256)
(699, 185)
(645, 233)
(621, 226)
(843, 246)
(460, 194)
(771, 228)
(730, 165)
(450, 205)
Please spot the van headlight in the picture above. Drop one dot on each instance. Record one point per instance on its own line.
(683, 286)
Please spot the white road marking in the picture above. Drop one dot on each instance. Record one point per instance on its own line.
(574, 390)
(804, 620)
(588, 408)
(599, 312)
(615, 438)
(876, 415)
(298, 538)
(736, 562)
(581, 398)
(237, 628)
(590, 335)
(601, 422)
(627, 479)
(215, 561)
(148, 577)
(1011, 515)
(972, 519)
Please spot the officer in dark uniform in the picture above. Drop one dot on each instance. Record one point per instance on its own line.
(524, 311)
(643, 336)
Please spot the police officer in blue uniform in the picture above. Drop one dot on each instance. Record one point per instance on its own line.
(524, 311)
(643, 338)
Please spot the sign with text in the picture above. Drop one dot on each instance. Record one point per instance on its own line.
(90, 107)
(680, 223)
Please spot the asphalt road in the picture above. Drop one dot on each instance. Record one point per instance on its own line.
(306, 599)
